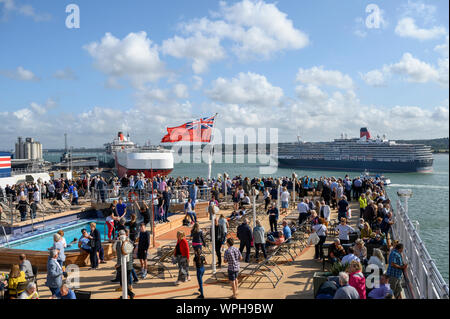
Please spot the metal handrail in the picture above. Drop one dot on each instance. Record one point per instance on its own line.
(426, 281)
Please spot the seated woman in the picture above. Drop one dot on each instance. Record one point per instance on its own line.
(15, 278)
(336, 252)
(245, 200)
(275, 241)
(366, 232)
(233, 215)
(360, 251)
(84, 242)
(238, 214)
(378, 259)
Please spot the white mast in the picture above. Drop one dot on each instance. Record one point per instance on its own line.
(211, 149)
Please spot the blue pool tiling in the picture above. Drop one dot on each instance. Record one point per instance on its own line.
(43, 239)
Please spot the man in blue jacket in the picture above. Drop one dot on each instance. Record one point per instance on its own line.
(244, 233)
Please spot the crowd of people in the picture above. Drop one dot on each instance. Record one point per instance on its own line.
(130, 222)
(26, 196)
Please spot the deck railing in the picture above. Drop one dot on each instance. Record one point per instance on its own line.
(179, 194)
(423, 279)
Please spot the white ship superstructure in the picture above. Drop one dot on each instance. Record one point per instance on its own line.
(131, 159)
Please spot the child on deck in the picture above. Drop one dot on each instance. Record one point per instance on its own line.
(110, 224)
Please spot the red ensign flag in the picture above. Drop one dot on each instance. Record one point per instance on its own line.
(196, 131)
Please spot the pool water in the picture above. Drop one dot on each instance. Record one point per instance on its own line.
(44, 241)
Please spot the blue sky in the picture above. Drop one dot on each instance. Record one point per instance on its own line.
(308, 66)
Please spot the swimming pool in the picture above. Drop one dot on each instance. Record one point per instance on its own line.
(44, 240)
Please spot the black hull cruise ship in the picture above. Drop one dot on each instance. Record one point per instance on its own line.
(357, 154)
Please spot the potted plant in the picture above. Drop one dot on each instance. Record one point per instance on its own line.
(318, 279)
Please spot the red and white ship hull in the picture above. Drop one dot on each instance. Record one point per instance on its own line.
(151, 163)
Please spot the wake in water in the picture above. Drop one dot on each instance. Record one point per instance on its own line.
(420, 186)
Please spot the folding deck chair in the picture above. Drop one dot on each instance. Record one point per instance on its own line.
(264, 269)
(163, 256)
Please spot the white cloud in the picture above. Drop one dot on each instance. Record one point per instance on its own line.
(155, 109)
(146, 120)
(238, 116)
(441, 113)
(27, 10)
(134, 58)
(42, 109)
(412, 70)
(425, 12)
(319, 76)
(200, 49)
(311, 93)
(66, 74)
(443, 71)
(375, 78)
(407, 27)
(314, 106)
(409, 112)
(415, 70)
(256, 30)
(442, 49)
(263, 28)
(24, 114)
(248, 89)
(20, 74)
(180, 91)
(198, 82)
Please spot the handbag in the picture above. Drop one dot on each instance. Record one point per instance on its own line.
(161, 211)
(313, 239)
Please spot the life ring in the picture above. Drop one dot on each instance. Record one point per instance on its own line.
(132, 195)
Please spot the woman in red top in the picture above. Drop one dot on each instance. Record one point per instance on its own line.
(357, 279)
(181, 254)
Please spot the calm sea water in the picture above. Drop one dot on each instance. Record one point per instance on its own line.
(428, 205)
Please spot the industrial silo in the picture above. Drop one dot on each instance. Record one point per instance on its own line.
(27, 153)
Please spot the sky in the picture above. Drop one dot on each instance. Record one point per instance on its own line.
(310, 68)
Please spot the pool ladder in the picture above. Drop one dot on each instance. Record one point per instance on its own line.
(6, 236)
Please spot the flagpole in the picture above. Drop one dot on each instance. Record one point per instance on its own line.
(153, 208)
(211, 149)
(213, 218)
